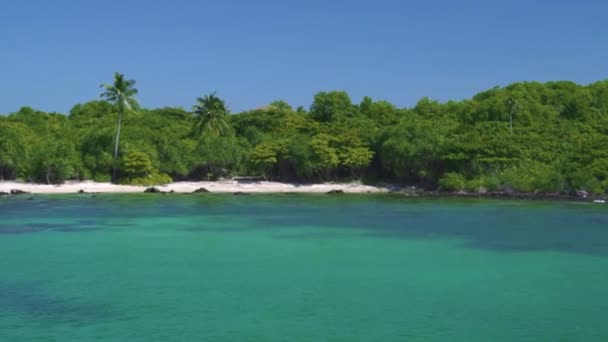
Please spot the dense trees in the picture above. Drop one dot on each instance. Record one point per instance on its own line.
(548, 137)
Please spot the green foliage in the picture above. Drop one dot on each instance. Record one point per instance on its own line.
(152, 179)
(452, 181)
(53, 161)
(120, 94)
(324, 155)
(210, 115)
(534, 177)
(476, 184)
(137, 169)
(135, 164)
(528, 136)
(217, 156)
(490, 182)
(583, 179)
(16, 140)
(329, 106)
(264, 155)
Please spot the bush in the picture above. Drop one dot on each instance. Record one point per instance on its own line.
(102, 177)
(517, 180)
(584, 180)
(492, 182)
(452, 181)
(605, 186)
(137, 169)
(153, 179)
(475, 184)
(135, 164)
(534, 177)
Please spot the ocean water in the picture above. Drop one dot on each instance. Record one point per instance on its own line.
(301, 268)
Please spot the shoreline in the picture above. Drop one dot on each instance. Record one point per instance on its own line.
(223, 186)
(236, 187)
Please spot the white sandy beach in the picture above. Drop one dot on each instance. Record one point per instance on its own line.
(224, 186)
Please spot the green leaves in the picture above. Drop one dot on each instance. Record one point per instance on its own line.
(135, 164)
(210, 115)
(557, 142)
(120, 93)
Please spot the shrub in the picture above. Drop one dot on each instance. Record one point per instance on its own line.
(102, 177)
(605, 186)
(135, 164)
(492, 182)
(153, 179)
(533, 177)
(475, 184)
(137, 169)
(452, 181)
(584, 180)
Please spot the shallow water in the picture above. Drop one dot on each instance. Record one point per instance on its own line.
(306, 268)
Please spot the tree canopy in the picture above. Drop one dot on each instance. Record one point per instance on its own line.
(527, 136)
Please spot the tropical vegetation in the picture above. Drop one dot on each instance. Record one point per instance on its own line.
(527, 136)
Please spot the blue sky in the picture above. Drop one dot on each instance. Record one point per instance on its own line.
(54, 54)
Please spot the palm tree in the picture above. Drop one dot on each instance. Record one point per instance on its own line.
(120, 93)
(513, 108)
(210, 115)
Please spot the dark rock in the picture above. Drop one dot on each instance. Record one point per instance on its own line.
(2, 193)
(81, 191)
(240, 193)
(200, 191)
(18, 192)
(335, 192)
(153, 190)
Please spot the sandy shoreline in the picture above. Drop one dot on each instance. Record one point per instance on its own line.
(227, 186)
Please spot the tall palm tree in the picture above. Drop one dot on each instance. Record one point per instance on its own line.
(513, 108)
(210, 115)
(120, 93)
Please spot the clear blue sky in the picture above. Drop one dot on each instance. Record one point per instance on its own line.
(54, 54)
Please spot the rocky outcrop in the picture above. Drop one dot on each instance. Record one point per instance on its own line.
(481, 190)
(335, 192)
(200, 191)
(4, 193)
(18, 192)
(153, 190)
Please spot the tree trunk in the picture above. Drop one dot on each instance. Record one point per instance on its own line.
(114, 170)
(48, 176)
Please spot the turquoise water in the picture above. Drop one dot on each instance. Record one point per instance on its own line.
(301, 268)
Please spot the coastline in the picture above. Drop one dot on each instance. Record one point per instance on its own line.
(8, 188)
(223, 186)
